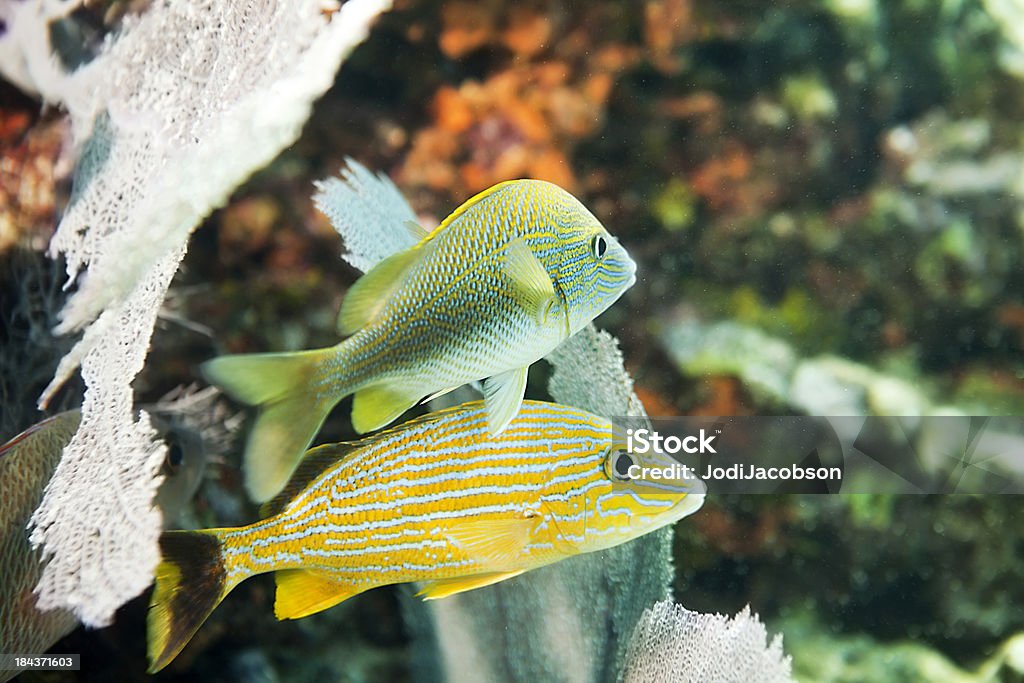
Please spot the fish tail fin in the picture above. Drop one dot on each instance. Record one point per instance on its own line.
(191, 580)
(292, 409)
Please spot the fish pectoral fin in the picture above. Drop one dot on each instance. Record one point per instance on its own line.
(492, 541)
(301, 592)
(503, 395)
(416, 231)
(367, 296)
(379, 404)
(442, 588)
(532, 283)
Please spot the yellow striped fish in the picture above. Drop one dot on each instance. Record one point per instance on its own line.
(438, 500)
(499, 284)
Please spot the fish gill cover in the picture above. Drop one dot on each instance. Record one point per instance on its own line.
(175, 111)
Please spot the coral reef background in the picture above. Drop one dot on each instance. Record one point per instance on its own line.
(840, 178)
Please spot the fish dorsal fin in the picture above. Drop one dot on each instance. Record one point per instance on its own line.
(466, 206)
(503, 396)
(61, 426)
(301, 592)
(532, 283)
(316, 461)
(493, 542)
(442, 588)
(368, 295)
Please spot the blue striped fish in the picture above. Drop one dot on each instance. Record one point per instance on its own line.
(438, 500)
(499, 284)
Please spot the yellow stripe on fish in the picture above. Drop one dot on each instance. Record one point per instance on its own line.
(499, 284)
(438, 500)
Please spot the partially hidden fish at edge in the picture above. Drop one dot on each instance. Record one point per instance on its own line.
(499, 284)
(437, 500)
(27, 462)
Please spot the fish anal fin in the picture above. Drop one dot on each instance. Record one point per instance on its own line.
(442, 588)
(301, 592)
(494, 542)
(316, 461)
(378, 404)
(367, 296)
(532, 283)
(503, 396)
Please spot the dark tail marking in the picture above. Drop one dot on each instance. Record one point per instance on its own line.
(190, 583)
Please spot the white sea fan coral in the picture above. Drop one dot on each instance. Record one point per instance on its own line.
(369, 213)
(589, 374)
(186, 102)
(26, 57)
(671, 644)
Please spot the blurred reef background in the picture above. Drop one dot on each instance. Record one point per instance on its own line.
(826, 203)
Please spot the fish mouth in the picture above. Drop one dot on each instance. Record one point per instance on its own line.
(631, 271)
(689, 503)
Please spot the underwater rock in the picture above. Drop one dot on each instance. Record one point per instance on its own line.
(828, 385)
(772, 370)
(1009, 16)
(765, 364)
(827, 658)
(815, 383)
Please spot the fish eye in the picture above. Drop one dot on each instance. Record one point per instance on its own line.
(620, 462)
(599, 246)
(175, 455)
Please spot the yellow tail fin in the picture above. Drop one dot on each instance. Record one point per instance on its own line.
(190, 583)
(291, 410)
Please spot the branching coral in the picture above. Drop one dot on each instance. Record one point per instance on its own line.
(181, 107)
